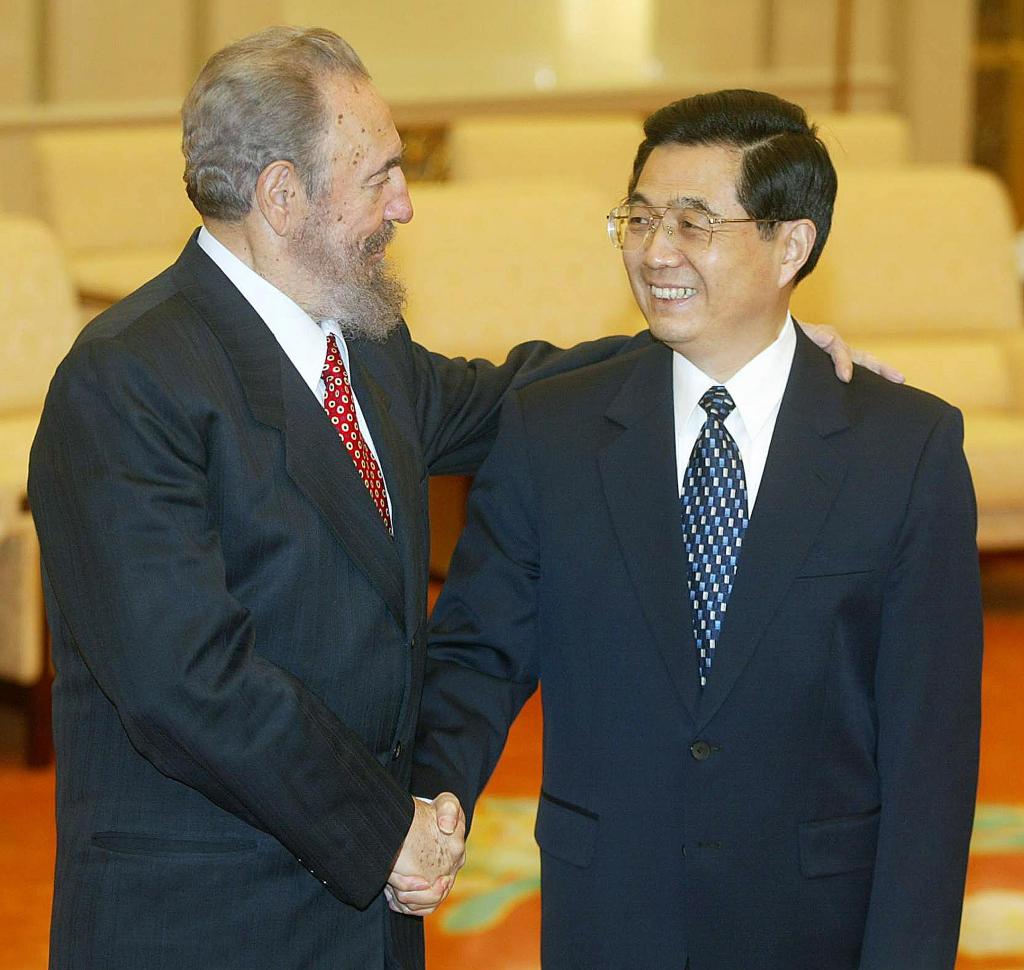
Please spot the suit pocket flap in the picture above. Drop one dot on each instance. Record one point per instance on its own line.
(817, 567)
(565, 831)
(839, 845)
(138, 844)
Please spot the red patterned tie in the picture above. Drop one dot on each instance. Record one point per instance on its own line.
(339, 402)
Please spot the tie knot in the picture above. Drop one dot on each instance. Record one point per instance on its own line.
(718, 402)
(333, 363)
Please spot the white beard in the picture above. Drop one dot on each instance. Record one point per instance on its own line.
(365, 297)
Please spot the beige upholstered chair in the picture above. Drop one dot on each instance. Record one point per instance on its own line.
(595, 149)
(117, 203)
(919, 269)
(491, 263)
(40, 322)
(865, 139)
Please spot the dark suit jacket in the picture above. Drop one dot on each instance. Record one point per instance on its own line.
(811, 809)
(238, 643)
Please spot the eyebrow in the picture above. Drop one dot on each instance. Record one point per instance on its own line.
(394, 161)
(679, 202)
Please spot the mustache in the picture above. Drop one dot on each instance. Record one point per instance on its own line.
(377, 241)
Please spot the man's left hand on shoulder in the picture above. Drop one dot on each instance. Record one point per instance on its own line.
(828, 339)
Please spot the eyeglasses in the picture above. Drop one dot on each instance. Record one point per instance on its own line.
(632, 226)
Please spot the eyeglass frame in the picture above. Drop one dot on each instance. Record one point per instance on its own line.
(652, 230)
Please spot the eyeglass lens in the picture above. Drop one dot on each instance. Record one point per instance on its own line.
(636, 225)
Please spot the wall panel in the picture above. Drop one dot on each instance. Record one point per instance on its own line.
(446, 48)
(19, 40)
(118, 50)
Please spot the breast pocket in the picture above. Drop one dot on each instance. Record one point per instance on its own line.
(825, 566)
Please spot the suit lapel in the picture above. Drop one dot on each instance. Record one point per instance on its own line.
(638, 472)
(801, 478)
(403, 479)
(278, 397)
(322, 469)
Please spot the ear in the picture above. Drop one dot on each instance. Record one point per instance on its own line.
(280, 196)
(797, 241)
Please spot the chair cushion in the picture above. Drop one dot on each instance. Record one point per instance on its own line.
(37, 305)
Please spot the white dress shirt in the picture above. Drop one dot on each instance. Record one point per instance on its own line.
(756, 388)
(303, 340)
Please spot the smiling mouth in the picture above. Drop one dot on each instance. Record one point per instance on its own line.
(672, 292)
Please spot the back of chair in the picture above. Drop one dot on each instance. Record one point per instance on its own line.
(114, 190)
(37, 306)
(865, 139)
(40, 320)
(917, 249)
(595, 149)
(919, 268)
(493, 263)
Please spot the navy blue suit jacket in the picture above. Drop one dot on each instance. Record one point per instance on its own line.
(812, 807)
(238, 643)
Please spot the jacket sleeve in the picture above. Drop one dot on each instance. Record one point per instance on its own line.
(482, 659)
(458, 402)
(927, 690)
(119, 488)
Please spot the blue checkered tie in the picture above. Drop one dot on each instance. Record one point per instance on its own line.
(714, 513)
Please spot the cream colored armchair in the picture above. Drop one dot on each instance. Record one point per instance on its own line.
(597, 150)
(865, 139)
(489, 264)
(117, 203)
(40, 321)
(919, 269)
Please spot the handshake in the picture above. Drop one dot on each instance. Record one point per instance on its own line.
(433, 852)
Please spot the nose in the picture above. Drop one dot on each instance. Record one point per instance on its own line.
(399, 204)
(660, 247)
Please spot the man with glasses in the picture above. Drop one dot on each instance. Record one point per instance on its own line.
(750, 593)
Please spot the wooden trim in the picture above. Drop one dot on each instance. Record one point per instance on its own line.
(769, 24)
(41, 66)
(36, 705)
(812, 88)
(841, 90)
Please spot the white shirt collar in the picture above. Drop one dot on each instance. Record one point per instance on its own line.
(302, 340)
(756, 388)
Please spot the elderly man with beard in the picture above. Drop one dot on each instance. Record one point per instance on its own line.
(229, 483)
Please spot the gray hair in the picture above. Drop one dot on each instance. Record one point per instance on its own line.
(257, 101)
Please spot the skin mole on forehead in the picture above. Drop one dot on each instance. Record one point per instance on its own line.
(341, 118)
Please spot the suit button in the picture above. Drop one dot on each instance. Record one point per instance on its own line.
(397, 753)
(700, 750)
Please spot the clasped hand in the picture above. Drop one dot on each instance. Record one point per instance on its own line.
(433, 852)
